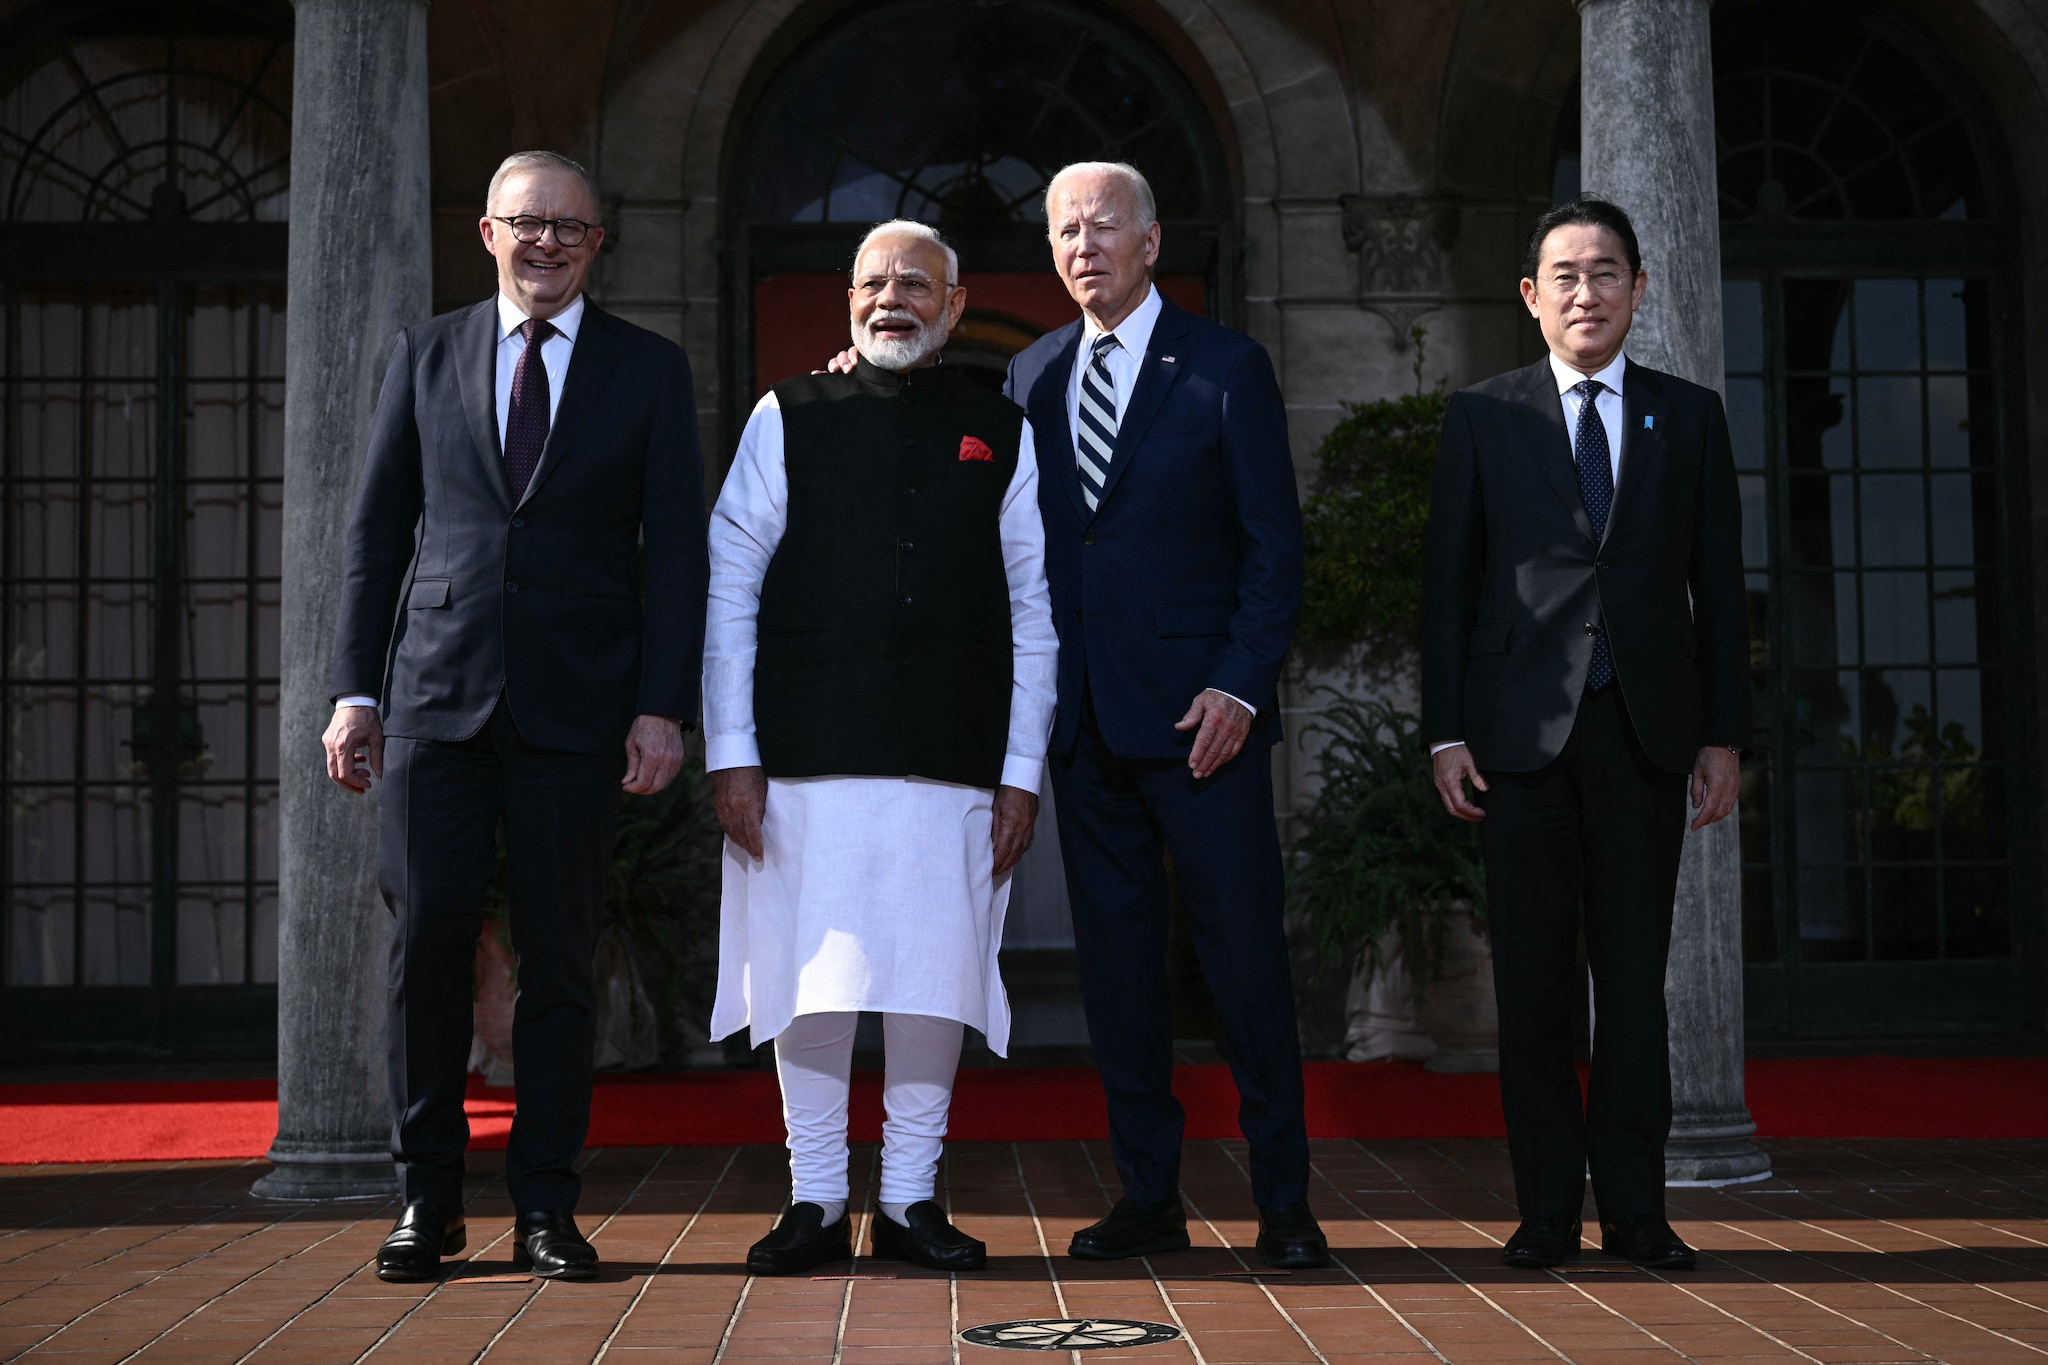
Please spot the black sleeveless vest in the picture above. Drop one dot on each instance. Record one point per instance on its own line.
(885, 616)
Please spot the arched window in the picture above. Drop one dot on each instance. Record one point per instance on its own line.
(143, 177)
(956, 115)
(1867, 256)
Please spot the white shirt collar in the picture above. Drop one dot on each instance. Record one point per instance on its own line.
(566, 322)
(1567, 377)
(1134, 333)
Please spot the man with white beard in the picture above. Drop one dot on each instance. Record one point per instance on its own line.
(878, 683)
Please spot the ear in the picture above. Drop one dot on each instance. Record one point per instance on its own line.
(1152, 236)
(1529, 297)
(956, 304)
(1635, 297)
(488, 227)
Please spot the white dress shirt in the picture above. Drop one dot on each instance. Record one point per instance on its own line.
(1609, 405)
(1133, 338)
(554, 353)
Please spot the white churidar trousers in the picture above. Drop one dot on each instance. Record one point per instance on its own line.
(814, 1061)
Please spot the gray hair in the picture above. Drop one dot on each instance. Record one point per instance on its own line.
(1130, 177)
(910, 227)
(537, 161)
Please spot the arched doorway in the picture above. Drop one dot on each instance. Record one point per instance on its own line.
(1867, 244)
(144, 154)
(955, 115)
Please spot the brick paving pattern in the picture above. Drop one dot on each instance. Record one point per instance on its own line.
(1873, 1252)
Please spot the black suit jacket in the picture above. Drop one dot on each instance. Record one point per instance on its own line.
(1514, 583)
(453, 596)
(1188, 575)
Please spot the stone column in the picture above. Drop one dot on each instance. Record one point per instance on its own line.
(1647, 143)
(360, 270)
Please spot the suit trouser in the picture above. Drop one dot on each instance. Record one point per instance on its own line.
(440, 807)
(1601, 826)
(1114, 816)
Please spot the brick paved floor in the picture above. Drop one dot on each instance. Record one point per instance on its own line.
(1864, 1251)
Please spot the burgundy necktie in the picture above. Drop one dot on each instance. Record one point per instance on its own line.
(526, 425)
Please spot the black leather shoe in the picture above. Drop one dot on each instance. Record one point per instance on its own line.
(1648, 1241)
(549, 1245)
(1133, 1229)
(423, 1234)
(801, 1241)
(1542, 1242)
(931, 1240)
(1290, 1239)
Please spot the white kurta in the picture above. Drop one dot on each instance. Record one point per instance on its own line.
(874, 893)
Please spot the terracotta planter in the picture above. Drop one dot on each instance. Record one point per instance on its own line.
(1458, 1011)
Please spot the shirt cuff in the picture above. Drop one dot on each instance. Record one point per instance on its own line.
(1025, 774)
(1436, 749)
(354, 699)
(1239, 700)
(731, 751)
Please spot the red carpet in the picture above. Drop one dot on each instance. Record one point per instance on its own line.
(1852, 1097)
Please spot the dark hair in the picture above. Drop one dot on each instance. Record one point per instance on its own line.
(1584, 211)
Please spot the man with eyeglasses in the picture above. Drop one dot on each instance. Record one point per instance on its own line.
(1585, 655)
(878, 686)
(520, 641)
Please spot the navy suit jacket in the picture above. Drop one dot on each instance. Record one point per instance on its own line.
(1515, 585)
(1188, 575)
(454, 594)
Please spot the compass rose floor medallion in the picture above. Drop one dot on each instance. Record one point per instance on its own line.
(1069, 1334)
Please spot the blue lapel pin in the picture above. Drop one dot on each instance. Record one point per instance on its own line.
(1649, 423)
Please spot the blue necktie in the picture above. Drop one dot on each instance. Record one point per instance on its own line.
(1096, 440)
(1596, 490)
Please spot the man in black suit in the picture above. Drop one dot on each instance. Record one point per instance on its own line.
(524, 599)
(1585, 651)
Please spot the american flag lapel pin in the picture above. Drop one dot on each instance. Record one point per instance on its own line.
(1166, 359)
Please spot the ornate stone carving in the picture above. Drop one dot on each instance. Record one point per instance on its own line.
(1401, 241)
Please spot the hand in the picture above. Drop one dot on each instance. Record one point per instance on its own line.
(654, 754)
(1225, 725)
(1016, 816)
(841, 363)
(1716, 778)
(740, 796)
(355, 746)
(1454, 768)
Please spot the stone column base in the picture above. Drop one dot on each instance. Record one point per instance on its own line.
(306, 1173)
(1712, 1154)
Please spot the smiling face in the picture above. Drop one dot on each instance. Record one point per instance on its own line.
(544, 277)
(902, 306)
(1585, 296)
(1104, 258)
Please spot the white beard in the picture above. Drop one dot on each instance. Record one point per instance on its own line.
(900, 351)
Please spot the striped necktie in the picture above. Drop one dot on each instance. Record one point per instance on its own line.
(1097, 435)
(1596, 490)
(527, 418)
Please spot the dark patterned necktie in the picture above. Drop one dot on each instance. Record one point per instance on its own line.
(526, 425)
(1097, 437)
(1596, 490)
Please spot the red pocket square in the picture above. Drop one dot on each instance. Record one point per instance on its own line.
(974, 448)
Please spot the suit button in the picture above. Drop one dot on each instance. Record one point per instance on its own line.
(906, 601)
(1088, 539)
(1592, 629)
(909, 441)
(909, 490)
(518, 523)
(511, 587)
(1601, 567)
(905, 546)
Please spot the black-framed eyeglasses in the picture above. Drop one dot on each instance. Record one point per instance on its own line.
(528, 229)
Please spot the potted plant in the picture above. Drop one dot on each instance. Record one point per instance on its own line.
(1394, 887)
(1391, 884)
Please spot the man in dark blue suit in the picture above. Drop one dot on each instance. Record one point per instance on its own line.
(1173, 551)
(523, 600)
